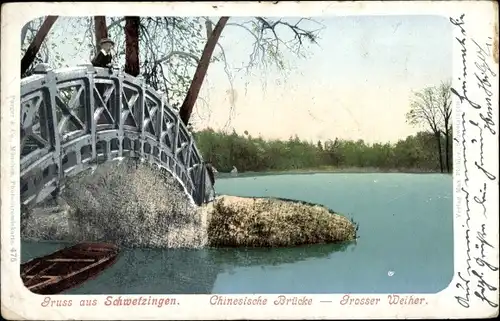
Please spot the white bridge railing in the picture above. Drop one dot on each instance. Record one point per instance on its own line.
(75, 117)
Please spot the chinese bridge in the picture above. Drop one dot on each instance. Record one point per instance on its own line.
(74, 118)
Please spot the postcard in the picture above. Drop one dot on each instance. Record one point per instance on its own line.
(249, 160)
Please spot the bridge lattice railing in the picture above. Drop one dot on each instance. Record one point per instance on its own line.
(76, 117)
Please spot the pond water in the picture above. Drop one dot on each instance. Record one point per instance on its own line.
(405, 244)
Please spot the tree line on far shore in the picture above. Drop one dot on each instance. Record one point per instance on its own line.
(416, 153)
(429, 150)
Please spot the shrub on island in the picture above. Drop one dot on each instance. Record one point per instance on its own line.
(260, 222)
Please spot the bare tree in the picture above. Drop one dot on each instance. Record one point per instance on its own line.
(269, 40)
(266, 49)
(424, 111)
(50, 51)
(35, 45)
(168, 51)
(445, 110)
(199, 75)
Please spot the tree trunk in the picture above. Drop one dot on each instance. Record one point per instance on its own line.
(438, 142)
(447, 149)
(101, 30)
(199, 75)
(35, 45)
(132, 46)
(208, 26)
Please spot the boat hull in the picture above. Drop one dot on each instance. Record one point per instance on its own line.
(67, 268)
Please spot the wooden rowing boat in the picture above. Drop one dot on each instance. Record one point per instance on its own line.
(67, 268)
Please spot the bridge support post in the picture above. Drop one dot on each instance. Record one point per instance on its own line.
(90, 116)
(176, 137)
(50, 93)
(142, 102)
(118, 77)
(159, 122)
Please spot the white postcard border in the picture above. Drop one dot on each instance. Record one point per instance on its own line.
(480, 22)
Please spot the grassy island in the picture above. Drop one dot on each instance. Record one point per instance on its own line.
(270, 222)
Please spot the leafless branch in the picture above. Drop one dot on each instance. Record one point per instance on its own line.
(425, 110)
(176, 53)
(115, 23)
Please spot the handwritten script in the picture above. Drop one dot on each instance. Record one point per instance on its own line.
(476, 175)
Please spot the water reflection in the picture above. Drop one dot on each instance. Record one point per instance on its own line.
(183, 271)
(276, 256)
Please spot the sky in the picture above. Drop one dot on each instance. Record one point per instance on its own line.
(355, 84)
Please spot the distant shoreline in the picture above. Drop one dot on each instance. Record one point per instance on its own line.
(333, 170)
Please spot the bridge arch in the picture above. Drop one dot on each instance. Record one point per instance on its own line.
(74, 118)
